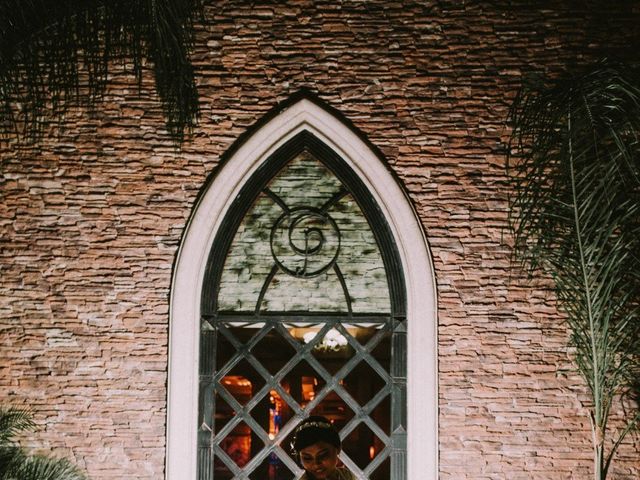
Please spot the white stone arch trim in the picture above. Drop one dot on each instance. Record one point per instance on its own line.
(214, 203)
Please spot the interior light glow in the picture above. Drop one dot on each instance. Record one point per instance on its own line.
(333, 340)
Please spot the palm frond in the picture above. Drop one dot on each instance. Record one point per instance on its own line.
(16, 464)
(574, 163)
(13, 421)
(10, 458)
(39, 467)
(54, 53)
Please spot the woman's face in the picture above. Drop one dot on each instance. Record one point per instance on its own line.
(320, 460)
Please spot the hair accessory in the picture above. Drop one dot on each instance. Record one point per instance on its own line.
(306, 425)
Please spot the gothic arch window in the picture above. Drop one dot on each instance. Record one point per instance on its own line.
(303, 312)
(297, 300)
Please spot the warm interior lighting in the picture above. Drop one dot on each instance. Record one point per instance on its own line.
(275, 414)
(308, 386)
(333, 340)
(237, 382)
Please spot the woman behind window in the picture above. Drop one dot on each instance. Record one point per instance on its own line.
(317, 445)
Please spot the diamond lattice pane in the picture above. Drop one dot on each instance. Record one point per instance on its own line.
(381, 414)
(223, 414)
(332, 350)
(240, 444)
(363, 382)
(303, 383)
(270, 413)
(224, 351)
(273, 351)
(243, 382)
(382, 352)
(383, 472)
(230, 333)
(362, 445)
(221, 471)
(335, 409)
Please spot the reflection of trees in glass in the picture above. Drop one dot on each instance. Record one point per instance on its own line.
(308, 196)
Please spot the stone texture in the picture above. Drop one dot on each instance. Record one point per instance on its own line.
(91, 220)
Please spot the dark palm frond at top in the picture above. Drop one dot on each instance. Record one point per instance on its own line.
(57, 52)
(574, 164)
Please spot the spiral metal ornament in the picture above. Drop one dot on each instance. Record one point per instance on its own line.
(305, 242)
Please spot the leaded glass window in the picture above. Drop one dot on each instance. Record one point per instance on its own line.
(302, 314)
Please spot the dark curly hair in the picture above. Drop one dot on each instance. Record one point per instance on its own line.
(313, 430)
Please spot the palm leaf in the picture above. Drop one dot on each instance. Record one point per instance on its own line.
(13, 421)
(10, 459)
(16, 464)
(55, 53)
(44, 468)
(575, 167)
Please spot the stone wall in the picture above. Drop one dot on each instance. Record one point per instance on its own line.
(91, 220)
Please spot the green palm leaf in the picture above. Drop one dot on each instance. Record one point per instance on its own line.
(575, 213)
(16, 464)
(54, 53)
(12, 422)
(44, 468)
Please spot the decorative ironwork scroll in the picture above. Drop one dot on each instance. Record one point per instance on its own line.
(305, 242)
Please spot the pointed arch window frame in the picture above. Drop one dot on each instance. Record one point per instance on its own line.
(303, 117)
(305, 140)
